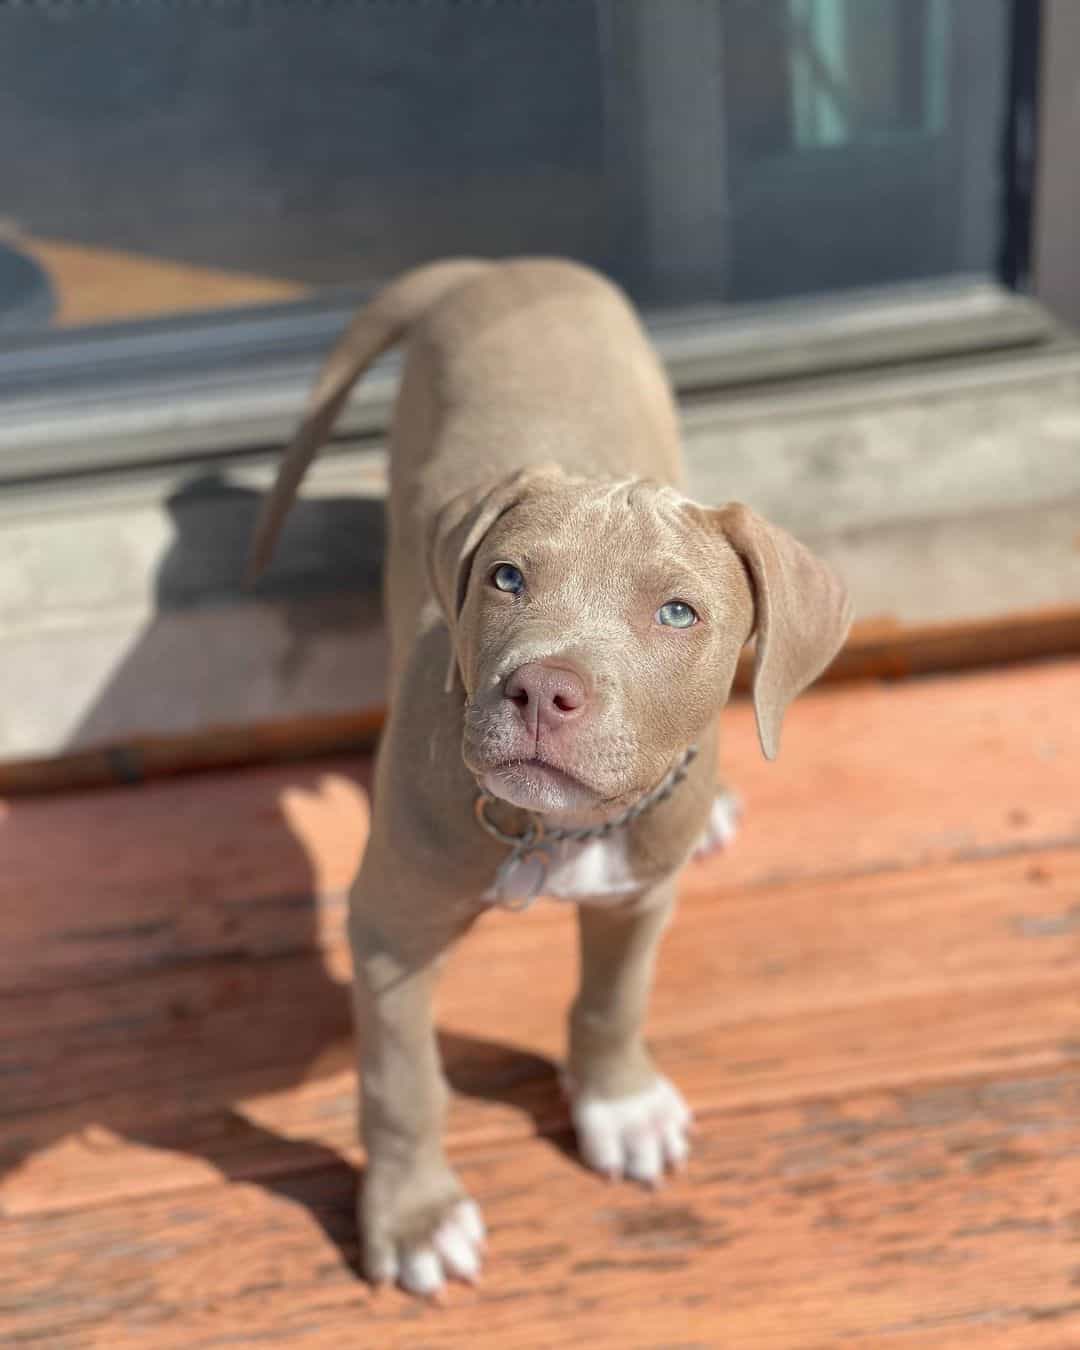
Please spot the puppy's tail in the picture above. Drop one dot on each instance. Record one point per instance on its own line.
(377, 327)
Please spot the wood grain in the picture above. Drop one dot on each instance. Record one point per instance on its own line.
(956, 970)
(873, 1003)
(255, 862)
(924, 1217)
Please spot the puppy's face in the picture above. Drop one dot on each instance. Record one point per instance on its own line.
(598, 636)
(596, 628)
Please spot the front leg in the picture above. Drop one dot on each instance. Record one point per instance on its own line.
(417, 1224)
(629, 1119)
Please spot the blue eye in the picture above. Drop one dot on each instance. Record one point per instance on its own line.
(506, 577)
(676, 614)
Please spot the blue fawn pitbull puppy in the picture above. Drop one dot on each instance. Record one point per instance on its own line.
(565, 627)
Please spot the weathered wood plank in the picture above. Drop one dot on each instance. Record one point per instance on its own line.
(100, 885)
(781, 993)
(873, 1003)
(941, 1216)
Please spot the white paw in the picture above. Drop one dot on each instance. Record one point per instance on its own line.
(454, 1251)
(638, 1137)
(722, 826)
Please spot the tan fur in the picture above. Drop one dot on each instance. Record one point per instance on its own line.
(535, 426)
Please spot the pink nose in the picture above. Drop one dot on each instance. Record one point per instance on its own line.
(546, 696)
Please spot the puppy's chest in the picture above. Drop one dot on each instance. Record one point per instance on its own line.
(599, 870)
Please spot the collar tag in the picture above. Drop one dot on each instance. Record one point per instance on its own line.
(520, 878)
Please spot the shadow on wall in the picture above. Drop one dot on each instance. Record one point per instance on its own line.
(210, 658)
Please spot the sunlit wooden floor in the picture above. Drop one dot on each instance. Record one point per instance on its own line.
(873, 1002)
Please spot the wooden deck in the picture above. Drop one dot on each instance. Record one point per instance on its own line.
(873, 1002)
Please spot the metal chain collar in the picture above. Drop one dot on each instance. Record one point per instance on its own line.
(537, 841)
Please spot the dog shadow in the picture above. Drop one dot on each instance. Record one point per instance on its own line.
(236, 1025)
(264, 1000)
(213, 646)
(326, 1185)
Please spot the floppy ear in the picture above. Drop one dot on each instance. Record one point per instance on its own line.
(801, 614)
(460, 528)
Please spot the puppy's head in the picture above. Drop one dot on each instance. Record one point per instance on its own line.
(596, 627)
